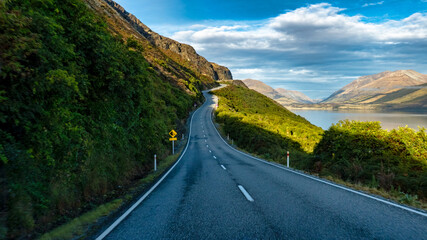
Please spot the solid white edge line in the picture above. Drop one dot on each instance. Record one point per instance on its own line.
(223, 167)
(320, 180)
(121, 218)
(243, 190)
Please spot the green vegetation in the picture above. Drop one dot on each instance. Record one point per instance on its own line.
(363, 152)
(262, 126)
(81, 113)
(360, 154)
(81, 224)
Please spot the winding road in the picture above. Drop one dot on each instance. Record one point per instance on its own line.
(217, 192)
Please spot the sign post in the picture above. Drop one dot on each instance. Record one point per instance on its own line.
(173, 138)
(287, 159)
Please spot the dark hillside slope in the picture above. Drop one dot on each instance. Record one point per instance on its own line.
(81, 110)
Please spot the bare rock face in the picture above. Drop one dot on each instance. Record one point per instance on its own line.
(186, 52)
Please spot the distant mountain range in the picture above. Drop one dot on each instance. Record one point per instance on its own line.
(398, 90)
(402, 86)
(282, 96)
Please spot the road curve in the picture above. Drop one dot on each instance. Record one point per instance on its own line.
(215, 192)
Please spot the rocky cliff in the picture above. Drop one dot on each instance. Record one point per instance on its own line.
(185, 51)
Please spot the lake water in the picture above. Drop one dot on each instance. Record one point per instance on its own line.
(325, 118)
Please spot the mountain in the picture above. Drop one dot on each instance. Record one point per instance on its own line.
(283, 96)
(299, 96)
(398, 87)
(178, 52)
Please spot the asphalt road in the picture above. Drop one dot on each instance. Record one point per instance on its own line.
(215, 192)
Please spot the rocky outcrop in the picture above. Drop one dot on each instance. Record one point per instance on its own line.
(186, 52)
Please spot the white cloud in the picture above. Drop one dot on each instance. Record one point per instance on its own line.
(372, 4)
(248, 71)
(317, 43)
(318, 23)
(300, 71)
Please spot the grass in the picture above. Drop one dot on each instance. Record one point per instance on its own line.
(80, 225)
(394, 195)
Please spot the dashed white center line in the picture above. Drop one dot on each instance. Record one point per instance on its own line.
(207, 145)
(243, 190)
(214, 157)
(204, 135)
(205, 140)
(223, 167)
(210, 151)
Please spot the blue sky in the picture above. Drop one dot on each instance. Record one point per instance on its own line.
(315, 47)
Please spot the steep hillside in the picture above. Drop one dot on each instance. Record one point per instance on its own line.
(182, 54)
(260, 124)
(283, 96)
(85, 102)
(372, 88)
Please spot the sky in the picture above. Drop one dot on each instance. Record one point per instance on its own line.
(315, 47)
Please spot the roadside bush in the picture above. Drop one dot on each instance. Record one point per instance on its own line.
(363, 152)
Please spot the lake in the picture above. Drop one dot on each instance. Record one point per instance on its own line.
(325, 118)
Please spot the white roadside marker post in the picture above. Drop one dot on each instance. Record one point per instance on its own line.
(287, 159)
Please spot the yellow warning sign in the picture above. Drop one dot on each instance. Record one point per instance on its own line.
(172, 139)
(172, 133)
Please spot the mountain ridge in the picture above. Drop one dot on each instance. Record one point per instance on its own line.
(186, 51)
(283, 96)
(370, 88)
